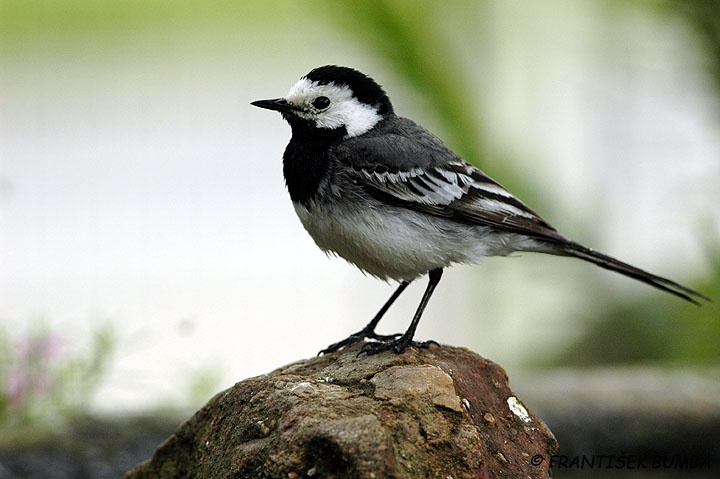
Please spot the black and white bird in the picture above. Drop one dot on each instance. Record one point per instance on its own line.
(390, 197)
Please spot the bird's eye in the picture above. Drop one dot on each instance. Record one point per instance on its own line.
(321, 102)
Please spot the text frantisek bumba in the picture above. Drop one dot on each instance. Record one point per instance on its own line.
(622, 461)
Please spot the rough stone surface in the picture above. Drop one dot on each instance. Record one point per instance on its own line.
(440, 412)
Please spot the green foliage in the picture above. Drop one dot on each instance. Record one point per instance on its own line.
(651, 328)
(68, 17)
(42, 381)
(418, 50)
(203, 383)
(703, 16)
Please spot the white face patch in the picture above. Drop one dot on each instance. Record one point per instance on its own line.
(344, 109)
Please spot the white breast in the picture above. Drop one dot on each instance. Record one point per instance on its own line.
(396, 243)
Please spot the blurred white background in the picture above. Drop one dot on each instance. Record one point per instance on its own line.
(139, 187)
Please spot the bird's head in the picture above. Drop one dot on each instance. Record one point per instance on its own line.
(331, 98)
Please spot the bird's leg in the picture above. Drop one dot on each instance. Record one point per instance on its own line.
(369, 330)
(399, 344)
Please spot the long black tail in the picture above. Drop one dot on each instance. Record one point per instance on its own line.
(579, 251)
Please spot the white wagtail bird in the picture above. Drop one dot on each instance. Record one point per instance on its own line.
(391, 198)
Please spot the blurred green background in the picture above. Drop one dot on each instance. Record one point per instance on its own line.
(139, 189)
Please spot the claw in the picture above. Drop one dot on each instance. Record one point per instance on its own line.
(398, 345)
(359, 336)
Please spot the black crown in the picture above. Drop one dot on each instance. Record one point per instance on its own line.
(363, 87)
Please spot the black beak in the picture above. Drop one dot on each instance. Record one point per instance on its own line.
(277, 104)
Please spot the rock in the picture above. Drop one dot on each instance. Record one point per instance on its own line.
(441, 412)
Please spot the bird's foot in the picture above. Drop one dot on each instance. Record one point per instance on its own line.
(359, 336)
(398, 345)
